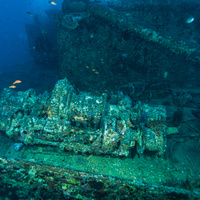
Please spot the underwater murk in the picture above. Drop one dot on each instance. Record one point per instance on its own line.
(105, 102)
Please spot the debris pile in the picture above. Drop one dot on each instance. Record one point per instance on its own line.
(83, 123)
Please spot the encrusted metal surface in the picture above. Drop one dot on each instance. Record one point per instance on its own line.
(83, 122)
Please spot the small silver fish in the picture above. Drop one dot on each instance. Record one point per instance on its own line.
(29, 13)
(189, 20)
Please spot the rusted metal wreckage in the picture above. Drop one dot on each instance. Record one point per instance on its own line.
(52, 127)
(67, 127)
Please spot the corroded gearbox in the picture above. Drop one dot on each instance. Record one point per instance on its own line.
(84, 122)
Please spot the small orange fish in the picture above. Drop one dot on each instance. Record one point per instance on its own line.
(12, 86)
(53, 3)
(17, 81)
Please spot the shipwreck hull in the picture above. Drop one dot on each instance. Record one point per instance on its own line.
(106, 48)
(102, 143)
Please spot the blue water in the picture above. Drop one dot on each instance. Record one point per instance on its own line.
(13, 17)
(16, 60)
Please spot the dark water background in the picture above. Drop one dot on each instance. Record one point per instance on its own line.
(16, 61)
